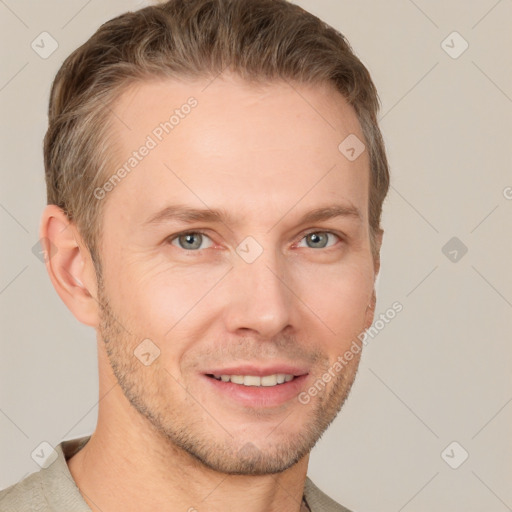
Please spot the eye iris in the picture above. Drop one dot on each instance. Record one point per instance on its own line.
(189, 244)
(318, 238)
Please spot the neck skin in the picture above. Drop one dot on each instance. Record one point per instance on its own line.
(127, 466)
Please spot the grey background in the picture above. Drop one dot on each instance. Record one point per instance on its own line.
(439, 372)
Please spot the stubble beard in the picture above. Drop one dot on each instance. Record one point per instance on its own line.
(181, 431)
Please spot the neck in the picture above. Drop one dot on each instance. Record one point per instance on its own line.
(127, 465)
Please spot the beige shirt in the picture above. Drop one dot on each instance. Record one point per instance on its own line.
(53, 489)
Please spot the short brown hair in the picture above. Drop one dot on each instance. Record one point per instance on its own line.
(260, 40)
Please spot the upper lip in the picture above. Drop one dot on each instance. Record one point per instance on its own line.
(259, 371)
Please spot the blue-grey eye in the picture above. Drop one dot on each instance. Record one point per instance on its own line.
(191, 241)
(318, 239)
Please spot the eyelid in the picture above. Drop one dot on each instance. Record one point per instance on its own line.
(173, 237)
(341, 237)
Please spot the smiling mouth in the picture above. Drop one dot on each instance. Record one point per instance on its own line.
(276, 379)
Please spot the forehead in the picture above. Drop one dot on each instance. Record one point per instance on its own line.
(258, 150)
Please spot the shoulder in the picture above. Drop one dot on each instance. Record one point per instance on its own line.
(318, 501)
(51, 489)
(25, 495)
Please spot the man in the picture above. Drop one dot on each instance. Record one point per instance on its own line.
(215, 180)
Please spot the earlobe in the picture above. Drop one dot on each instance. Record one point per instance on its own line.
(69, 265)
(370, 310)
(378, 244)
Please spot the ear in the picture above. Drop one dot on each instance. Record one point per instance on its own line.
(69, 265)
(370, 310)
(378, 244)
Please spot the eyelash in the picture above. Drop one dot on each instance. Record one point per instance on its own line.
(198, 231)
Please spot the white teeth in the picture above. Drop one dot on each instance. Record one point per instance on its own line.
(269, 380)
(253, 380)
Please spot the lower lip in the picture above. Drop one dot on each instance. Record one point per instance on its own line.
(258, 396)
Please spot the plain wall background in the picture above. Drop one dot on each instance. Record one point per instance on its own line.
(440, 371)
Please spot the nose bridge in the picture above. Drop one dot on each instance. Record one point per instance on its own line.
(259, 298)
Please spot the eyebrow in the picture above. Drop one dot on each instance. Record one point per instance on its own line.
(186, 214)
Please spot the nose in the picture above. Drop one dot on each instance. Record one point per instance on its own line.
(259, 299)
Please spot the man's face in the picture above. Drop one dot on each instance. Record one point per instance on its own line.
(260, 293)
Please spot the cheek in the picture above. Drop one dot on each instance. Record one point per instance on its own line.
(162, 301)
(339, 297)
